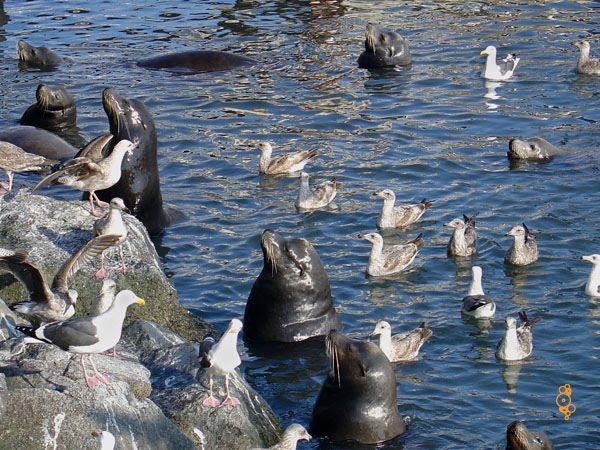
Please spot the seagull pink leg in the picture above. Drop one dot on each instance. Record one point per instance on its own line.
(100, 203)
(210, 400)
(101, 378)
(102, 272)
(90, 381)
(229, 400)
(123, 269)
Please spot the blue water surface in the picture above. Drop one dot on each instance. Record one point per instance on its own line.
(435, 130)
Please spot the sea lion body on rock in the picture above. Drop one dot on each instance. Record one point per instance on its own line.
(291, 299)
(357, 401)
(139, 185)
(518, 437)
(384, 49)
(196, 61)
(39, 57)
(532, 149)
(40, 142)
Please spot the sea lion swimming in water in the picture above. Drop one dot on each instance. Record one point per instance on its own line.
(196, 61)
(39, 57)
(518, 437)
(291, 299)
(531, 149)
(384, 49)
(357, 401)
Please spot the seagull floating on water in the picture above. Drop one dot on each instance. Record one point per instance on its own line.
(463, 241)
(477, 304)
(592, 287)
(282, 164)
(317, 196)
(501, 70)
(86, 175)
(585, 64)
(221, 357)
(290, 438)
(393, 258)
(523, 250)
(114, 224)
(14, 159)
(517, 343)
(57, 302)
(401, 347)
(88, 334)
(397, 216)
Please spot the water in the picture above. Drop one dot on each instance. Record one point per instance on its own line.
(434, 131)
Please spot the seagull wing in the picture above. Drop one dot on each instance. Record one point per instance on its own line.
(72, 169)
(508, 64)
(84, 255)
(473, 302)
(93, 150)
(77, 332)
(399, 255)
(288, 160)
(28, 274)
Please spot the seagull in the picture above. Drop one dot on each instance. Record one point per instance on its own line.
(86, 175)
(393, 258)
(592, 287)
(463, 241)
(476, 303)
(290, 438)
(398, 216)
(104, 300)
(105, 439)
(221, 357)
(88, 334)
(282, 164)
(48, 304)
(498, 71)
(114, 224)
(585, 64)
(517, 343)
(401, 347)
(14, 159)
(524, 248)
(317, 196)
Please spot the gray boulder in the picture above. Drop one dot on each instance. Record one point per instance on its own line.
(50, 230)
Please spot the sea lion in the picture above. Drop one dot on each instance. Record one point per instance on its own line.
(139, 185)
(40, 57)
(196, 61)
(383, 49)
(54, 111)
(40, 142)
(532, 149)
(518, 437)
(358, 398)
(291, 299)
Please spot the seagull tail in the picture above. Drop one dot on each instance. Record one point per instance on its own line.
(29, 331)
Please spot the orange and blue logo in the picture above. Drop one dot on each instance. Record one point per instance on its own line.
(563, 401)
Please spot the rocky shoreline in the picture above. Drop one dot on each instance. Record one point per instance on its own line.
(155, 396)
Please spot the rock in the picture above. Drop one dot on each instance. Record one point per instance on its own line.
(174, 369)
(44, 403)
(50, 230)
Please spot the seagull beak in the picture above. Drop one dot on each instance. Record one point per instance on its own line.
(140, 301)
(483, 52)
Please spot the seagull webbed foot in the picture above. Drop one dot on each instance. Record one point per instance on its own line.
(230, 401)
(211, 402)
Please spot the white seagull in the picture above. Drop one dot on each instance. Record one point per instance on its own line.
(317, 196)
(221, 357)
(88, 334)
(517, 343)
(401, 347)
(477, 304)
(585, 64)
(592, 287)
(501, 70)
(397, 216)
(463, 241)
(282, 164)
(393, 258)
(290, 438)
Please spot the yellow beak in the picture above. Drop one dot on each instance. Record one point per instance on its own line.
(483, 52)
(140, 301)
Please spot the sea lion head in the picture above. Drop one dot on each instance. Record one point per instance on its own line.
(518, 437)
(294, 254)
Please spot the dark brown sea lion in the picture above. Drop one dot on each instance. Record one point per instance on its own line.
(196, 61)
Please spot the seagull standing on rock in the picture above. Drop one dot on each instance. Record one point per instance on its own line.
(14, 159)
(88, 334)
(501, 70)
(221, 357)
(56, 302)
(86, 175)
(113, 223)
